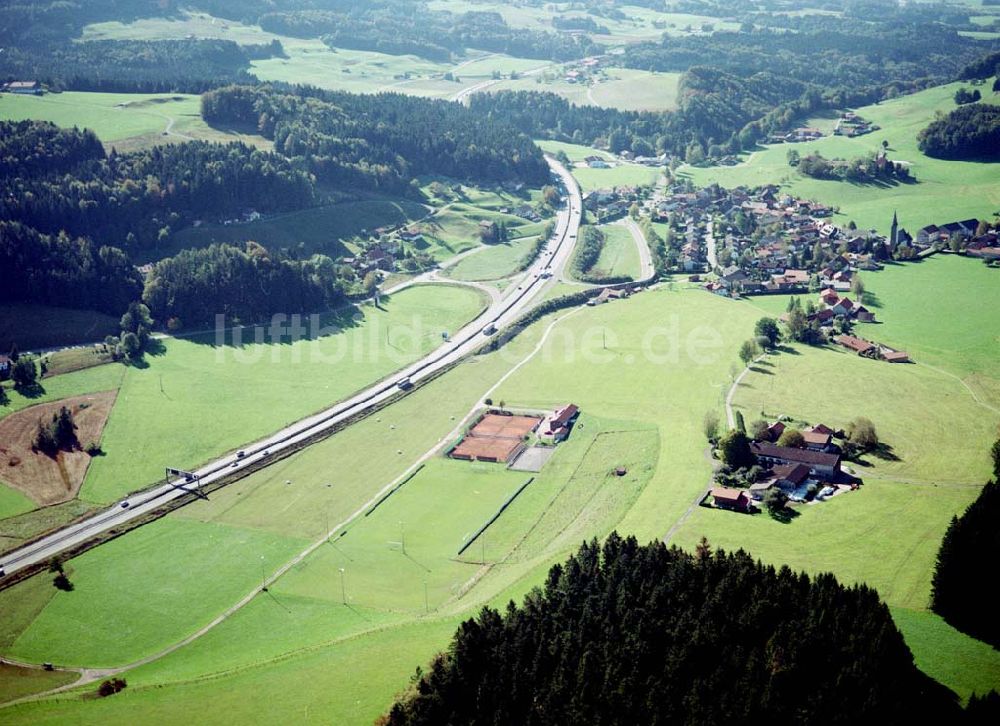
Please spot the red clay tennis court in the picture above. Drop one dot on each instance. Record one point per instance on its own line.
(495, 438)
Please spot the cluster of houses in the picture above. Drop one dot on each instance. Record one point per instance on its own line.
(972, 240)
(609, 204)
(812, 471)
(850, 124)
(795, 136)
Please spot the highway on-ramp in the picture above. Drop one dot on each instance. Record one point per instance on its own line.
(520, 297)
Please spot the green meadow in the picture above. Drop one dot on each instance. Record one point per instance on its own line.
(493, 262)
(623, 174)
(622, 88)
(123, 120)
(643, 371)
(620, 255)
(944, 191)
(248, 390)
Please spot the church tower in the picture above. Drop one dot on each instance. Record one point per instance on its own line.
(894, 234)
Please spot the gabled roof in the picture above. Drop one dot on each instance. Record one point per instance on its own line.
(728, 495)
(795, 456)
(794, 473)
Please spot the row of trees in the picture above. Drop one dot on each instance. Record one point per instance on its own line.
(873, 168)
(623, 634)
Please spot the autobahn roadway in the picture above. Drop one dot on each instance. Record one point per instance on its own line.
(519, 298)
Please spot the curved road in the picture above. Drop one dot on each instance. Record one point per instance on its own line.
(502, 310)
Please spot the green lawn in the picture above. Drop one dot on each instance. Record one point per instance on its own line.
(242, 393)
(130, 599)
(624, 174)
(17, 682)
(90, 380)
(643, 371)
(494, 262)
(41, 326)
(124, 120)
(318, 230)
(945, 190)
(620, 255)
(13, 503)
(575, 152)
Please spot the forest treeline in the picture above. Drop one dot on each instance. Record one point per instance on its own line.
(624, 634)
(62, 179)
(245, 284)
(61, 270)
(380, 141)
(136, 66)
(971, 131)
(960, 593)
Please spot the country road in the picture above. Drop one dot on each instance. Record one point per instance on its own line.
(503, 309)
(645, 256)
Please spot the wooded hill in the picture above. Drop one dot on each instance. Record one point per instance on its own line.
(623, 634)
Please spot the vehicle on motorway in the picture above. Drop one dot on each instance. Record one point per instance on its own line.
(240, 454)
(546, 275)
(405, 384)
(265, 452)
(490, 329)
(123, 504)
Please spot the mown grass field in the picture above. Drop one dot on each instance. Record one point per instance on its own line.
(241, 393)
(623, 88)
(124, 120)
(494, 262)
(620, 255)
(318, 230)
(13, 503)
(945, 191)
(644, 371)
(42, 326)
(624, 174)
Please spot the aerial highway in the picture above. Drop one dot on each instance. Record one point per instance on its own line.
(527, 290)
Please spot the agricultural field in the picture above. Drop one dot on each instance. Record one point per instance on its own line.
(125, 121)
(620, 255)
(41, 326)
(643, 371)
(493, 262)
(622, 88)
(622, 174)
(944, 191)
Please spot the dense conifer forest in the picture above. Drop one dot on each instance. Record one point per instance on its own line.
(960, 594)
(380, 141)
(624, 634)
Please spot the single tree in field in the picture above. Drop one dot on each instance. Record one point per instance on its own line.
(748, 351)
(734, 450)
(710, 425)
(137, 320)
(791, 437)
(131, 347)
(740, 423)
(768, 328)
(861, 432)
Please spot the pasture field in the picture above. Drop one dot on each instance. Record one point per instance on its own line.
(17, 682)
(13, 503)
(623, 174)
(247, 391)
(622, 88)
(575, 152)
(493, 262)
(944, 191)
(42, 326)
(89, 380)
(129, 598)
(126, 121)
(620, 255)
(939, 310)
(185, 23)
(643, 371)
(318, 230)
